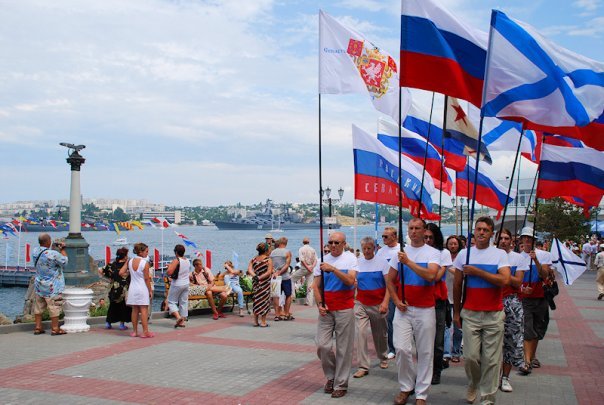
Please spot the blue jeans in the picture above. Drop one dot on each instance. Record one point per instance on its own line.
(453, 348)
(236, 289)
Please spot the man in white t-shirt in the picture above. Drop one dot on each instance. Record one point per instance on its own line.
(388, 251)
(308, 261)
(486, 274)
(337, 275)
(371, 307)
(414, 318)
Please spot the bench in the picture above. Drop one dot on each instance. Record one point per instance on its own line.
(219, 282)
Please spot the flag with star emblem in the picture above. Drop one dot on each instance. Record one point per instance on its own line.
(460, 127)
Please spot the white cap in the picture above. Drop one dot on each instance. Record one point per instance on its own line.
(268, 236)
(527, 231)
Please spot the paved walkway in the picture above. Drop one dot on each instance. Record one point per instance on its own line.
(230, 362)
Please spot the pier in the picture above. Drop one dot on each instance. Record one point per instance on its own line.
(230, 362)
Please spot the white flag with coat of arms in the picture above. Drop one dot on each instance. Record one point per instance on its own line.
(350, 63)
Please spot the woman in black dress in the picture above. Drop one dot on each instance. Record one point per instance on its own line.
(118, 310)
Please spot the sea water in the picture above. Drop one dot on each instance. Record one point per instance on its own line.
(224, 245)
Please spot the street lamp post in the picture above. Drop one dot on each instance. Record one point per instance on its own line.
(330, 200)
(455, 208)
(461, 200)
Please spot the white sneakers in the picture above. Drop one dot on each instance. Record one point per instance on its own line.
(505, 385)
(390, 355)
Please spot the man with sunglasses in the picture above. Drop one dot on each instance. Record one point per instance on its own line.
(337, 274)
(414, 318)
(388, 251)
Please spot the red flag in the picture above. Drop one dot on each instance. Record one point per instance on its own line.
(53, 223)
(208, 259)
(27, 250)
(107, 254)
(162, 221)
(156, 259)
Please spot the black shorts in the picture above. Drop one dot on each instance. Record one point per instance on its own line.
(286, 287)
(536, 318)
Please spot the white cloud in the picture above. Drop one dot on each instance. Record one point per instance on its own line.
(588, 6)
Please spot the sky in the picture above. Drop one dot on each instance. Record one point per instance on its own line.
(189, 103)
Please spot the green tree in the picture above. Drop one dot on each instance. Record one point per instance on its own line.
(561, 219)
(120, 215)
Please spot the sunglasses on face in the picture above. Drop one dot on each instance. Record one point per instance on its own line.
(334, 242)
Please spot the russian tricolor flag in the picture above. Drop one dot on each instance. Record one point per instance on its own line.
(414, 147)
(376, 176)
(570, 169)
(418, 121)
(440, 52)
(488, 191)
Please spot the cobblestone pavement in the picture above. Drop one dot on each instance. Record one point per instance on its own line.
(230, 362)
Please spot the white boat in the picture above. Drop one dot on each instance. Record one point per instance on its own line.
(120, 242)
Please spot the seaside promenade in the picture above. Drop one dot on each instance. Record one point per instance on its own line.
(230, 362)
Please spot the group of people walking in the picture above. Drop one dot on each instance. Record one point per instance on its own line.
(436, 294)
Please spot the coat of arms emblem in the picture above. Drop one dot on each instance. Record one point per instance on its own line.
(375, 68)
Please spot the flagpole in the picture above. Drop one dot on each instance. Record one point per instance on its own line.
(442, 160)
(400, 151)
(354, 231)
(507, 198)
(322, 284)
(528, 204)
(375, 230)
(537, 178)
(517, 194)
(19, 250)
(400, 190)
(468, 194)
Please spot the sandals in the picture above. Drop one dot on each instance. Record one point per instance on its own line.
(535, 363)
(57, 332)
(289, 317)
(180, 323)
(277, 319)
(39, 331)
(148, 335)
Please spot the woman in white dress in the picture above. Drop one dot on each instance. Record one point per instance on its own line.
(140, 290)
(178, 296)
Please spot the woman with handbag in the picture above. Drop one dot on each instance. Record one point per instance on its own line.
(261, 270)
(118, 310)
(178, 296)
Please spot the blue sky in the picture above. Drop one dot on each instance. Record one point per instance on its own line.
(202, 102)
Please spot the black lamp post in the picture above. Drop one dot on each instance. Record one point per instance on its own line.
(330, 200)
(461, 200)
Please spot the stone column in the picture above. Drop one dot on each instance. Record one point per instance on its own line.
(77, 270)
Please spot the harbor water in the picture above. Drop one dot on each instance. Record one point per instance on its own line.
(223, 245)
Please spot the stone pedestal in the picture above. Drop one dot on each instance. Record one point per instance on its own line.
(76, 306)
(77, 270)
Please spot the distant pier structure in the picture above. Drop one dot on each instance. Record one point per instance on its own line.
(77, 270)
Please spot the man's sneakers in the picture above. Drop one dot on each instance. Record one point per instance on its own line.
(390, 356)
(505, 385)
(360, 373)
(471, 395)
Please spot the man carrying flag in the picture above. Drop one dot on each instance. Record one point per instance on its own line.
(487, 273)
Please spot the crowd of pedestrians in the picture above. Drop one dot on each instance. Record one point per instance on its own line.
(429, 303)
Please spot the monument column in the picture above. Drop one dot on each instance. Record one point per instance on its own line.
(77, 270)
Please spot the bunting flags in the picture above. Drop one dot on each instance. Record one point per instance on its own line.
(440, 52)
(488, 192)
(549, 88)
(569, 265)
(186, 240)
(414, 147)
(5, 228)
(116, 228)
(53, 223)
(377, 175)
(163, 222)
(350, 63)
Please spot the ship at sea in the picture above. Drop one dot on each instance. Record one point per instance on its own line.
(273, 220)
